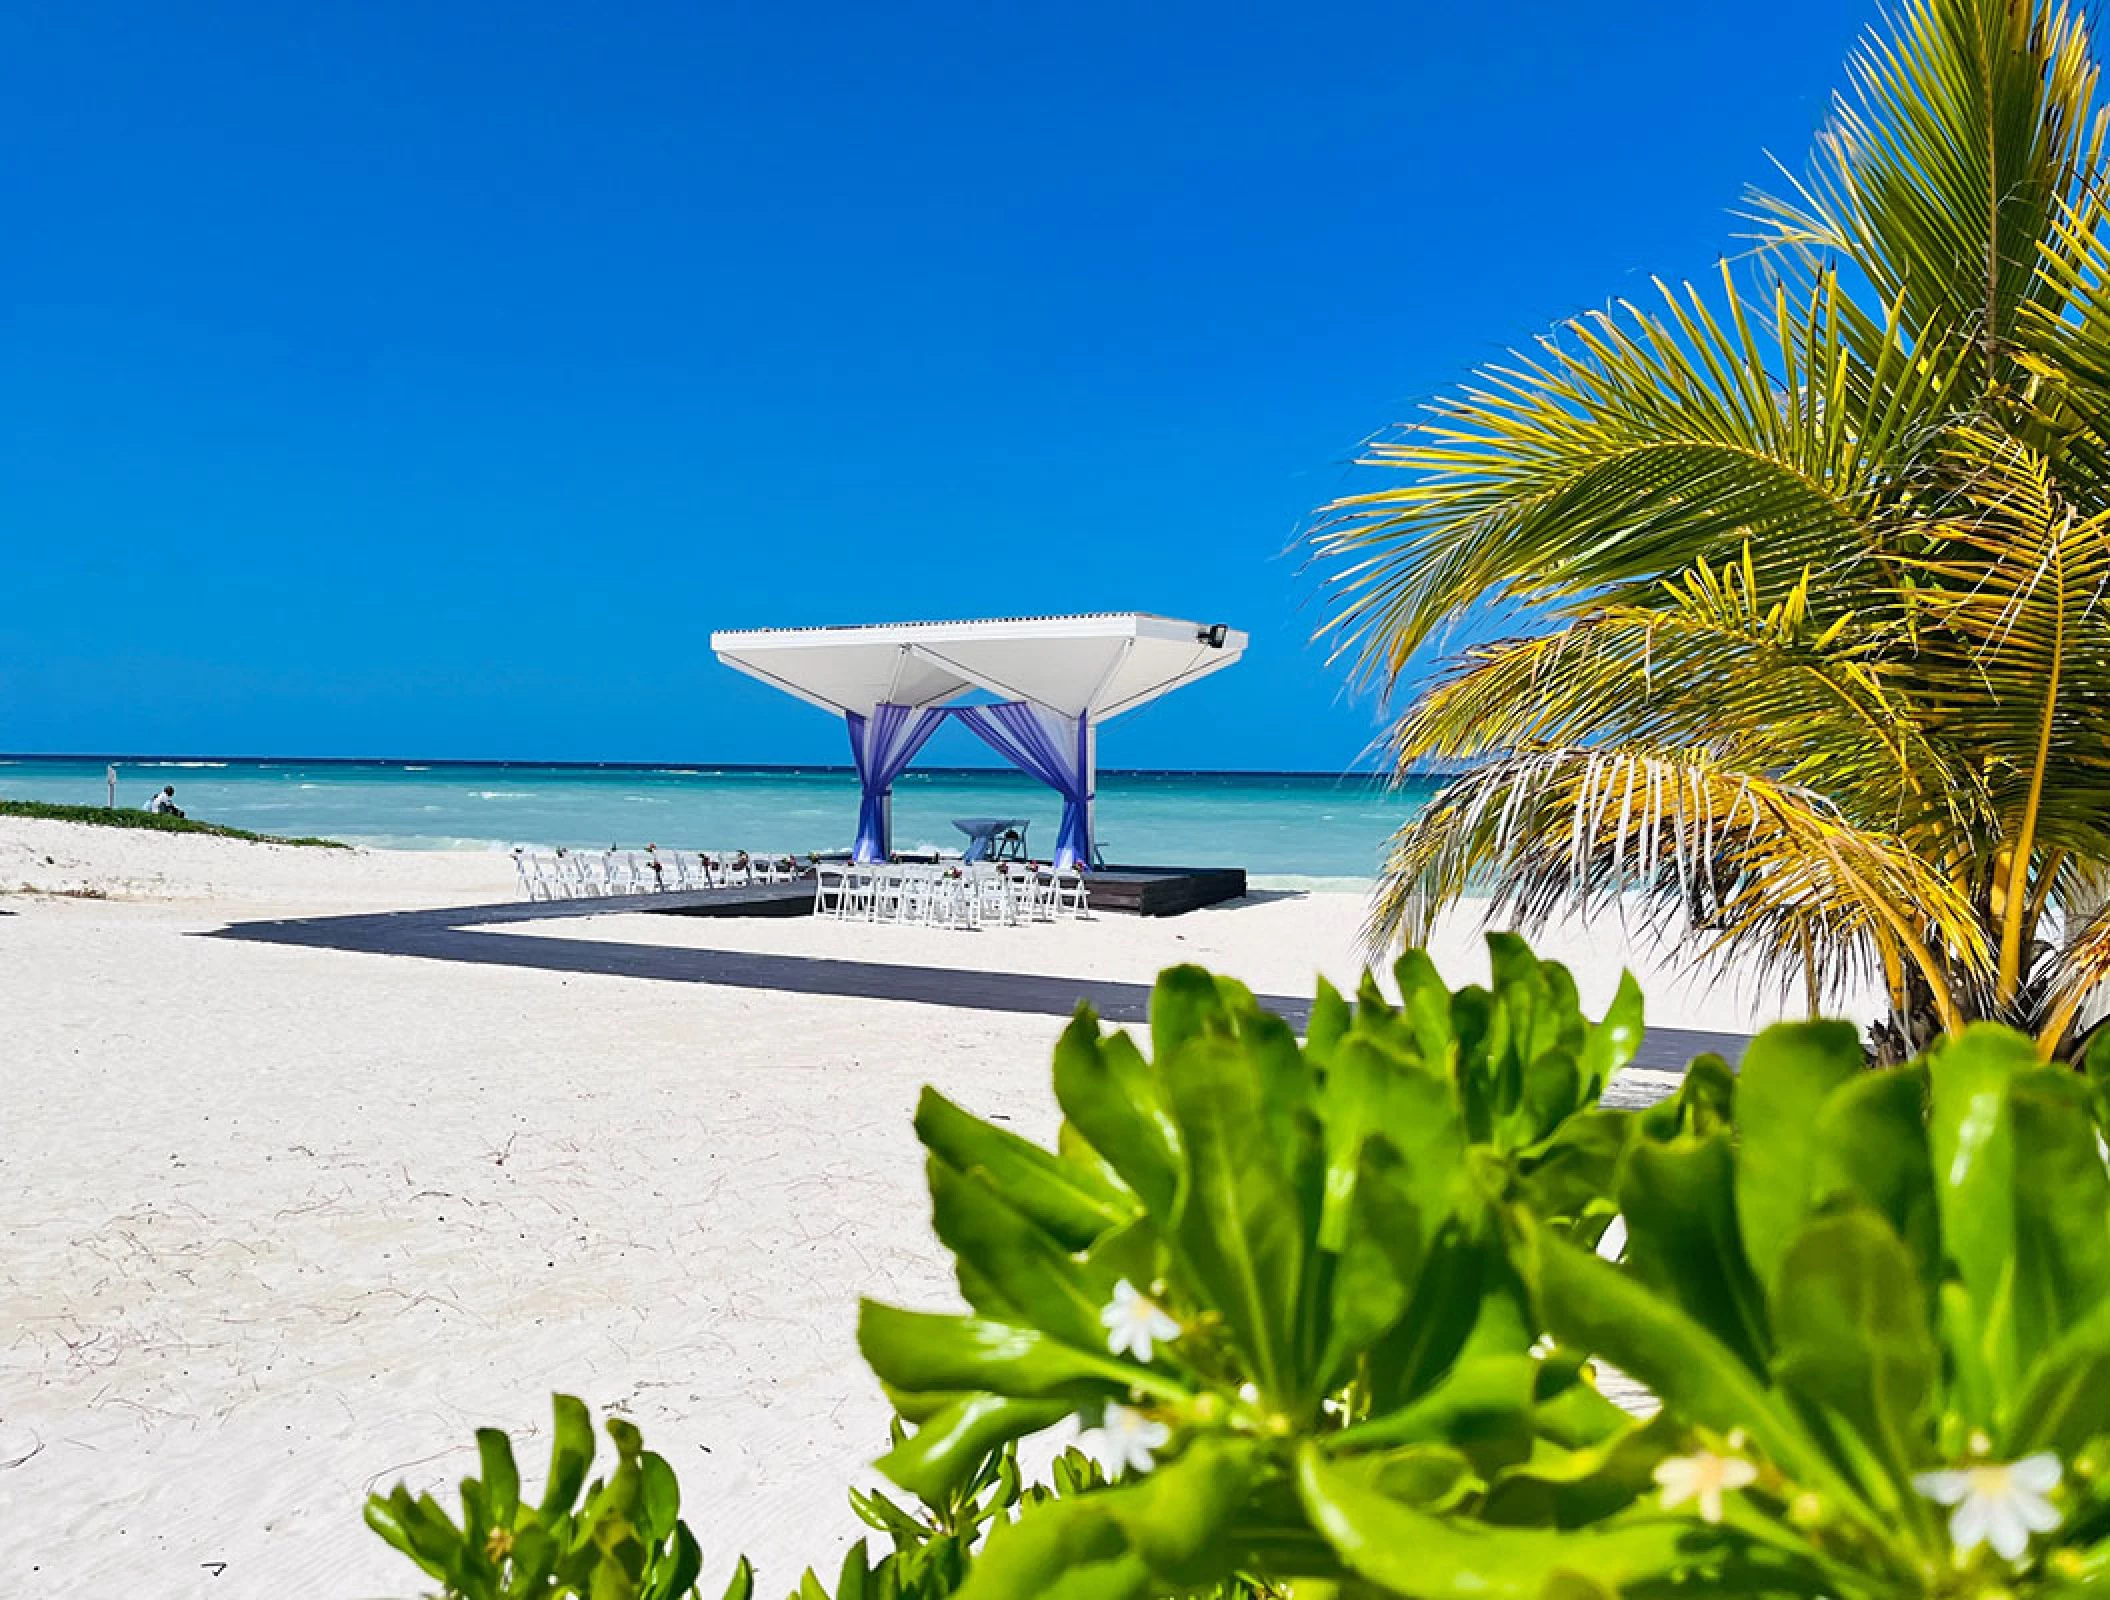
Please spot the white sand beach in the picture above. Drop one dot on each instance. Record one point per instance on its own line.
(285, 1225)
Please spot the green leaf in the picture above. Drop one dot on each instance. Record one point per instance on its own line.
(1871, 1145)
(1060, 1550)
(2095, 1067)
(853, 1580)
(1473, 1026)
(2065, 1401)
(1442, 1558)
(1239, 1230)
(1105, 1089)
(1706, 1100)
(399, 1519)
(742, 1586)
(1037, 1183)
(1031, 1278)
(1424, 1011)
(1679, 1201)
(1186, 1003)
(1580, 1486)
(952, 1444)
(1331, 1018)
(1852, 1324)
(1612, 1043)
(677, 1576)
(1537, 1036)
(1379, 1264)
(501, 1475)
(1971, 1131)
(1573, 1170)
(1482, 1406)
(2062, 1208)
(1786, 1075)
(1168, 1531)
(1374, 1090)
(658, 1498)
(922, 1351)
(571, 1453)
(1597, 1308)
(1423, 1344)
(431, 1538)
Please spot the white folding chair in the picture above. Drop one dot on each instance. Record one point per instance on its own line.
(831, 890)
(1072, 899)
(567, 878)
(861, 891)
(991, 891)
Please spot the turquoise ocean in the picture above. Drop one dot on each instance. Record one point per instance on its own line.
(1289, 829)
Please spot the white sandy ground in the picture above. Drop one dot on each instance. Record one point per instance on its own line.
(283, 1226)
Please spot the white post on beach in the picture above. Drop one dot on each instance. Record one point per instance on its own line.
(110, 778)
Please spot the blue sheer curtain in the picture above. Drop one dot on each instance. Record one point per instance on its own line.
(883, 745)
(1053, 749)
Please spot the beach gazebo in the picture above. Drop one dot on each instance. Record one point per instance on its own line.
(1055, 679)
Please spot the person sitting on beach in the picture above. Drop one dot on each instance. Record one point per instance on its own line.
(164, 803)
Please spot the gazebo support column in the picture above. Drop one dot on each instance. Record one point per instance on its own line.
(883, 745)
(1091, 792)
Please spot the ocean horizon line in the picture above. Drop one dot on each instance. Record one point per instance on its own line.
(145, 758)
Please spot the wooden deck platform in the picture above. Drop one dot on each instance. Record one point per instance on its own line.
(1163, 891)
(1135, 891)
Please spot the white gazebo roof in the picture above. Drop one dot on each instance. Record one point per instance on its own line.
(1095, 666)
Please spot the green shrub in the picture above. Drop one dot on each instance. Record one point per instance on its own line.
(1876, 1307)
(1268, 1278)
(623, 1540)
(1327, 1314)
(147, 821)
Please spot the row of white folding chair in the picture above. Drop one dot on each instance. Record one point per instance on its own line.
(688, 870)
(575, 874)
(937, 896)
(948, 896)
(586, 874)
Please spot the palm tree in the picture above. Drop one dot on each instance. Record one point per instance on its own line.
(1806, 570)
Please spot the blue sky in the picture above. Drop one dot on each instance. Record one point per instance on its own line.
(431, 379)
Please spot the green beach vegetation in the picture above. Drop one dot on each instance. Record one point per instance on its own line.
(1330, 1314)
(1805, 568)
(152, 821)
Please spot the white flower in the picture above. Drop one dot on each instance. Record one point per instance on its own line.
(1996, 1505)
(1702, 1476)
(1133, 1320)
(1125, 1440)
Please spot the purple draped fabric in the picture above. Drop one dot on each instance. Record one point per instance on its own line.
(883, 745)
(1053, 749)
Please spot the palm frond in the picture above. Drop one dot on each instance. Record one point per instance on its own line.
(1817, 564)
(2013, 661)
(1690, 848)
(1966, 134)
(1764, 684)
(1636, 443)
